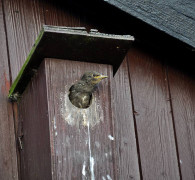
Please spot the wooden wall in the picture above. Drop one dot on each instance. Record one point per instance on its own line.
(154, 120)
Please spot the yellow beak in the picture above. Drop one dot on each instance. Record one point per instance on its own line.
(100, 77)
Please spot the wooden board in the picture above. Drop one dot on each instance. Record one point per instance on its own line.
(8, 158)
(71, 43)
(58, 13)
(24, 20)
(153, 118)
(127, 157)
(82, 142)
(61, 141)
(182, 88)
(33, 116)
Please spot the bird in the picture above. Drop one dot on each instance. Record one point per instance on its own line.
(80, 93)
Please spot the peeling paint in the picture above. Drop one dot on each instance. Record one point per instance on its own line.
(111, 138)
(76, 116)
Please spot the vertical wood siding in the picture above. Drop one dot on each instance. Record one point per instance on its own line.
(182, 89)
(8, 161)
(154, 119)
(124, 127)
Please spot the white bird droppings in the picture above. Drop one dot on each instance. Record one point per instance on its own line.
(54, 122)
(84, 170)
(111, 138)
(108, 176)
(91, 159)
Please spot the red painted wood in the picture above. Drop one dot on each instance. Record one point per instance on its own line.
(182, 88)
(153, 116)
(60, 15)
(59, 143)
(68, 14)
(126, 149)
(24, 20)
(33, 116)
(154, 129)
(79, 151)
(8, 159)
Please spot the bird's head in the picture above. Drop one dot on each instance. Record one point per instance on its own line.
(93, 77)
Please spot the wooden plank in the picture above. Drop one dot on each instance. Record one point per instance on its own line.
(24, 20)
(182, 88)
(62, 42)
(62, 14)
(33, 116)
(176, 19)
(81, 140)
(153, 116)
(8, 158)
(126, 151)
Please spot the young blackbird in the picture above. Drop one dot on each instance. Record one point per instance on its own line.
(81, 92)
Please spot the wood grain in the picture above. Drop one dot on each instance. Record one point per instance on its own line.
(24, 20)
(8, 158)
(63, 14)
(182, 88)
(126, 151)
(153, 116)
(33, 116)
(79, 150)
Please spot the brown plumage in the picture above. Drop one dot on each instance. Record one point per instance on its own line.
(81, 92)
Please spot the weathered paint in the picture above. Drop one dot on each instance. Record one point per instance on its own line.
(5, 87)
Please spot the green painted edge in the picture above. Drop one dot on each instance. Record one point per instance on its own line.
(14, 84)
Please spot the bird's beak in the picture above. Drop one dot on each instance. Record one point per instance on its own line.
(100, 77)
